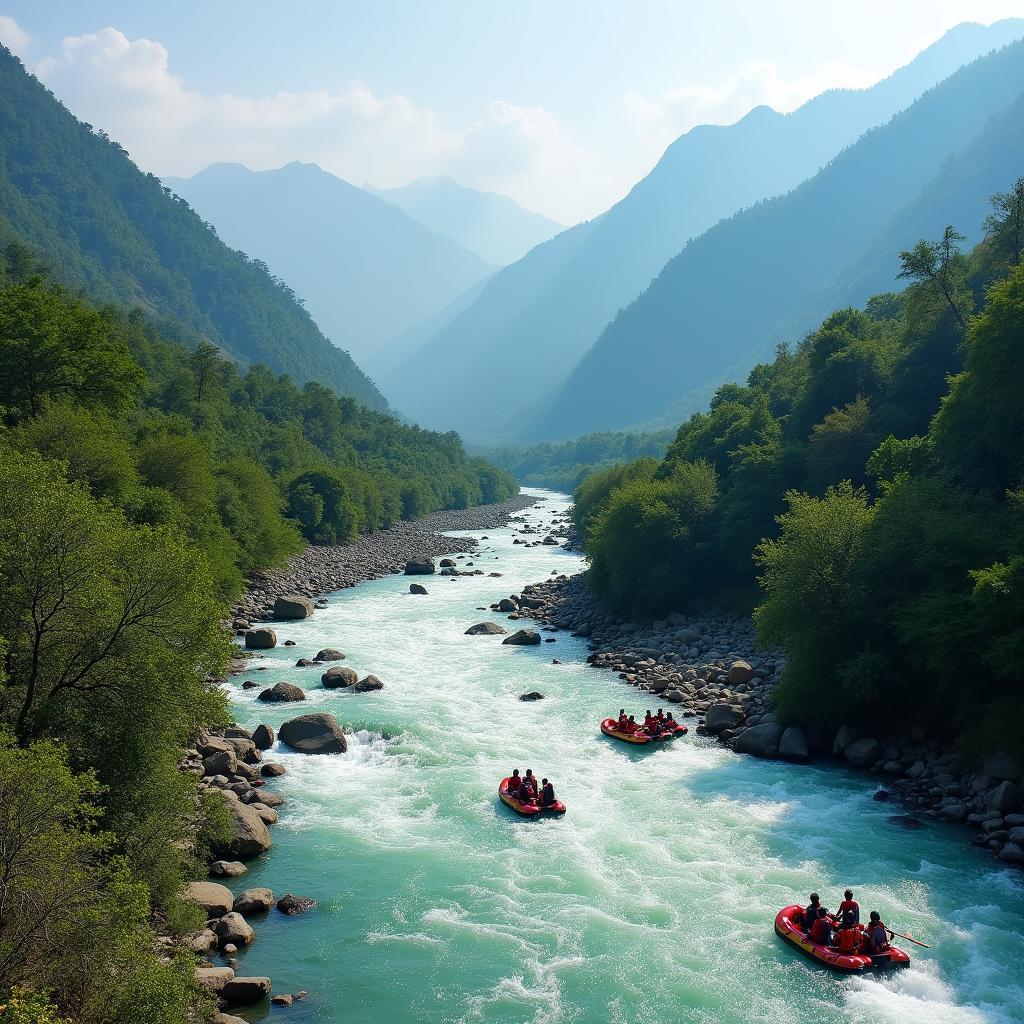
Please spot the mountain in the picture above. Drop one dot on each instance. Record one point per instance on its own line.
(107, 229)
(495, 227)
(366, 269)
(772, 272)
(550, 307)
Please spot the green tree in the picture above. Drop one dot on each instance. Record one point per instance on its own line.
(941, 265)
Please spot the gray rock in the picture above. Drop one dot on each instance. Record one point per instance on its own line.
(367, 684)
(844, 737)
(249, 835)
(223, 762)
(282, 693)
(228, 868)
(1012, 853)
(338, 677)
(260, 639)
(417, 588)
(793, 745)
(421, 565)
(740, 672)
(329, 654)
(523, 638)
(203, 942)
(293, 905)
(214, 978)
(253, 901)
(1006, 797)
(233, 929)
(506, 604)
(722, 716)
(863, 753)
(263, 736)
(486, 629)
(245, 991)
(213, 897)
(317, 733)
(227, 1018)
(532, 695)
(760, 741)
(292, 606)
(267, 814)
(272, 770)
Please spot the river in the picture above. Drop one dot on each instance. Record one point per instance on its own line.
(650, 902)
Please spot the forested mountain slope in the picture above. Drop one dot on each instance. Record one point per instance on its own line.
(550, 307)
(770, 272)
(365, 269)
(112, 231)
(494, 226)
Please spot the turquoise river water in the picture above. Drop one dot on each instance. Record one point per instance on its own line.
(651, 901)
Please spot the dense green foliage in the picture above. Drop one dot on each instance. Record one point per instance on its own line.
(878, 472)
(565, 466)
(118, 235)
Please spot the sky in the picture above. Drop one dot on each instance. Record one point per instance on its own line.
(562, 104)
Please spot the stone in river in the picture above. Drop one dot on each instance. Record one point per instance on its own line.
(292, 606)
(263, 737)
(249, 834)
(253, 901)
(292, 905)
(260, 639)
(329, 654)
(417, 588)
(234, 929)
(721, 717)
(421, 565)
(532, 695)
(316, 733)
(228, 868)
(213, 897)
(245, 991)
(282, 693)
(863, 753)
(760, 741)
(523, 638)
(367, 684)
(793, 745)
(272, 770)
(339, 676)
(485, 629)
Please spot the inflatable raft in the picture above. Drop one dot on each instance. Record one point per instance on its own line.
(786, 927)
(526, 810)
(610, 727)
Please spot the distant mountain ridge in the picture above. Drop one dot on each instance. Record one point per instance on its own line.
(551, 306)
(494, 226)
(773, 271)
(365, 269)
(107, 228)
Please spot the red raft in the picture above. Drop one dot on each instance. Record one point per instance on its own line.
(786, 927)
(610, 727)
(527, 810)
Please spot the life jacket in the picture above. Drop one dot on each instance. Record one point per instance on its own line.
(820, 931)
(648, 719)
(848, 940)
(514, 782)
(661, 717)
(623, 723)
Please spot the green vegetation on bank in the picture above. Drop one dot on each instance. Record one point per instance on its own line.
(139, 483)
(875, 475)
(566, 465)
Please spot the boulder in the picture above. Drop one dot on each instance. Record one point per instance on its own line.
(523, 638)
(1012, 853)
(249, 835)
(417, 588)
(329, 654)
(228, 868)
(253, 901)
(485, 629)
(292, 606)
(245, 991)
(722, 716)
(317, 733)
(844, 737)
(293, 905)
(213, 897)
(263, 736)
(268, 814)
(214, 978)
(740, 672)
(1006, 797)
(506, 604)
(760, 741)
(233, 929)
(421, 565)
(532, 695)
(1002, 765)
(339, 676)
(367, 685)
(863, 753)
(223, 762)
(447, 563)
(793, 745)
(203, 942)
(282, 693)
(261, 639)
(272, 770)
(227, 1018)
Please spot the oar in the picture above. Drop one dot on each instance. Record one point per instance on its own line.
(909, 939)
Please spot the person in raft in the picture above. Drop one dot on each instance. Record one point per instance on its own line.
(877, 935)
(811, 912)
(514, 782)
(547, 793)
(623, 723)
(848, 938)
(821, 929)
(529, 788)
(670, 723)
(648, 720)
(849, 903)
(632, 726)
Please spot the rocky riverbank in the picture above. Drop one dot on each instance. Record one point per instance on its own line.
(321, 569)
(710, 667)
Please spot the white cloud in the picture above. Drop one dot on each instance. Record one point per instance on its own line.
(126, 87)
(660, 120)
(13, 36)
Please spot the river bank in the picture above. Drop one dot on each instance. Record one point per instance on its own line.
(710, 668)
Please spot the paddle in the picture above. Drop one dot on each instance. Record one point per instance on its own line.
(909, 939)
